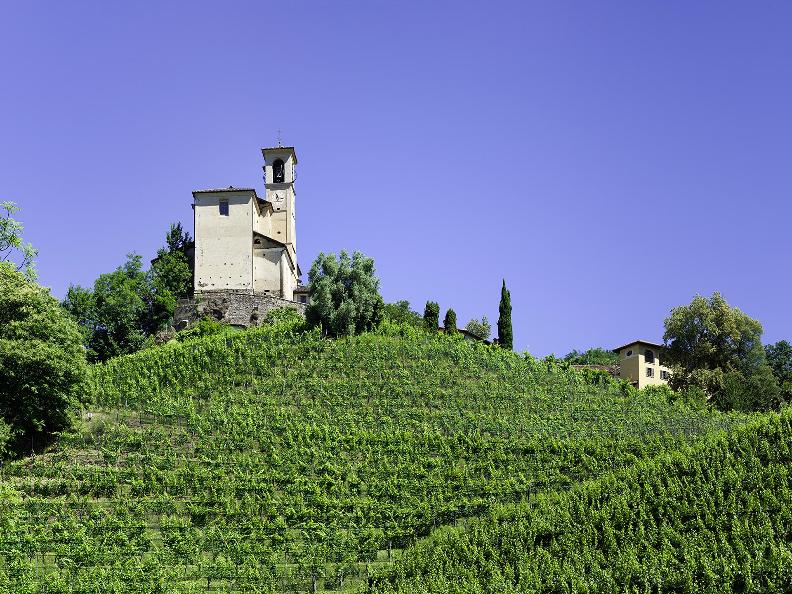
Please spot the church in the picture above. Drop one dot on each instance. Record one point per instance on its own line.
(246, 248)
(247, 243)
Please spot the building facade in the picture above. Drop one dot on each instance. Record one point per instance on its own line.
(245, 243)
(639, 362)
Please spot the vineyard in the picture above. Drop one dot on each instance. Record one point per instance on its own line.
(714, 517)
(275, 460)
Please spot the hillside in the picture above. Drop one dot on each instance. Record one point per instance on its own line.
(714, 517)
(275, 460)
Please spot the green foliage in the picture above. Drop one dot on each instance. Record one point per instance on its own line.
(450, 321)
(344, 294)
(480, 328)
(127, 307)
(718, 349)
(42, 363)
(171, 276)
(592, 356)
(431, 316)
(505, 334)
(281, 315)
(400, 313)
(779, 358)
(712, 517)
(115, 315)
(265, 459)
(206, 327)
(13, 250)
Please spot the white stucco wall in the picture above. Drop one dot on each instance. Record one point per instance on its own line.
(262, 223)
(266, 270)
(223, 244)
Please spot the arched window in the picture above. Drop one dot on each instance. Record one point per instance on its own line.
(278, 171)
(649, 355)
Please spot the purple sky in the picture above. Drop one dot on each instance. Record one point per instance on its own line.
(609, 159)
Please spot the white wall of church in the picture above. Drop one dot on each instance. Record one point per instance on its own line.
(266, 269)
(262, 223)
(223, 244)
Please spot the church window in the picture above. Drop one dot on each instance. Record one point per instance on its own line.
(224, 208)
(278, 171)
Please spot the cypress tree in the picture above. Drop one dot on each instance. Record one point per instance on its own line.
(505, 336)
(432, 316)
(449, 323)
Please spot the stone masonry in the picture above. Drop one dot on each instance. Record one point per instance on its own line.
(235, 308)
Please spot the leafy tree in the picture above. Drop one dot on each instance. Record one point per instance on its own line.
(593, 356)
(400, 313)
(13, 250)
(42, 362)
(779, 358)
(450, 321)
(481, 328)
(344, 294)
(505, 335)
(431, 316)
(171, 275)
(116, 314)
(128, 305)
(718, 349)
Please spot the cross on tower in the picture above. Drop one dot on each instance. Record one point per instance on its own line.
(279, 137)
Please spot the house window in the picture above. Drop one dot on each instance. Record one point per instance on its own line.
(649, 372)
(224, 208)
(649, 354)
(629, 353)
(303, 299)
(663, 374)
(278, 171)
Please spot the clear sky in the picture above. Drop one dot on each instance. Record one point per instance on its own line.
(608, 159)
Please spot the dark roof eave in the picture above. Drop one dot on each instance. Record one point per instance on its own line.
(632, 342)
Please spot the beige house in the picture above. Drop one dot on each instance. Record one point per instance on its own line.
(248, 244)
(640, 363)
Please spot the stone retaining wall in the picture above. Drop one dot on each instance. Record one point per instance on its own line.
(237, 309)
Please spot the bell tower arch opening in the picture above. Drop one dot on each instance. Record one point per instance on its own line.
(278, 171)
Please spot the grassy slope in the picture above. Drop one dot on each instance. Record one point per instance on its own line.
(713, 517)
(271, 460)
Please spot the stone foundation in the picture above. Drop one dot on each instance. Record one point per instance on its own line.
(237, 309)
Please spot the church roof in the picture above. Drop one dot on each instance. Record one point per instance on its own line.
(284, 149)
(228, 189)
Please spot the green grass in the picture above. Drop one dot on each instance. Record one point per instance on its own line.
(274, 459)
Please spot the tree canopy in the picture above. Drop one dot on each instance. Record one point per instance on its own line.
(718, 348)
(450, 321)
(126, 306)
(42, 361)
(13, 250)
(344, 294)
(505, 334)
(400, 312)
(480, 328)
(592, 356)
(431, 316)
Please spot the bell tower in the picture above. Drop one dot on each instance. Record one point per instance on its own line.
(279, 175)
